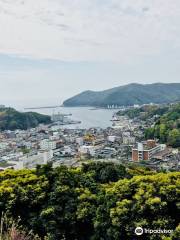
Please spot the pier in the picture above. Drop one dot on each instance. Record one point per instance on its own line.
(43, 107)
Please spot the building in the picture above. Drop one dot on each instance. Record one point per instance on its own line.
(4, 145)
(106, 152)
(47, 144)
(91, 150)
(128, 140)
(31, 161)
(111, 138)
(80, 141)
(98, 141)
(60, 118)
(146, 150)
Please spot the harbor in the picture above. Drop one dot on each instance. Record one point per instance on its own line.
(63, 119)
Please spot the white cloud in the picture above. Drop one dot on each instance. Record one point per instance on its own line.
(74, 30)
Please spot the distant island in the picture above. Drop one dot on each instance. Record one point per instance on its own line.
(127, 95)
(10, 119)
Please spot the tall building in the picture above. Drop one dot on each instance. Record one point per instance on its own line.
(146, 150)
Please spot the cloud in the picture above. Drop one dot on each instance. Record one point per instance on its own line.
(96, 30)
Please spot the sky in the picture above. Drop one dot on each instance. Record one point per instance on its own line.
(51, 50)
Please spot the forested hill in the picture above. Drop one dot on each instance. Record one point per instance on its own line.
(10, 119)
(97, 201)
(128, 95)
(147, 111)
(167, 127)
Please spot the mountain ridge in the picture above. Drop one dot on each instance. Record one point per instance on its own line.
(127, 95)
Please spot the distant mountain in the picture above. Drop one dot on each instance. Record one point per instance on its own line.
(128, 95)
(10, 119)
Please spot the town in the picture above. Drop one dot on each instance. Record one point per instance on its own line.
(123, 143)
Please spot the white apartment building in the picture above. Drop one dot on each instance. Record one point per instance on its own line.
(111, 138)
(47, 144)
(31, 161)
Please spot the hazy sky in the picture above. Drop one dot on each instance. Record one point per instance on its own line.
(53, 49)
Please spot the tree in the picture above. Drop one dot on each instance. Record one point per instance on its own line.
(174, 138)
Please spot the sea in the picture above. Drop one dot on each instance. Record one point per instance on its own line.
(89, 117)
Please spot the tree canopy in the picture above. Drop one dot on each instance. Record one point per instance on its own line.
(167, 128)
(96, 201)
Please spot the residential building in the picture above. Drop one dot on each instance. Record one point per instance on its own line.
(47, 144)
(31, 161)
(146, 150)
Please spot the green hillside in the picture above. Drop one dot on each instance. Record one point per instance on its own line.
(10, 119)
(145, 112)
(128, 95)
(167, 128)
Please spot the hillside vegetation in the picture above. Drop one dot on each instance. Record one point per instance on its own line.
(10, 119)
(144, 112)
(167, 127)
(96, 202)
(166, 121)
(128, 95)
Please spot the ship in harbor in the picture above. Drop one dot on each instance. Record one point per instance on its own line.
(63, 119)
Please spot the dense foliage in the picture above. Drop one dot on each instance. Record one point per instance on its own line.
(128, 95)
(167, 128)
(145, 112)
(10, 119)
(99, 201)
